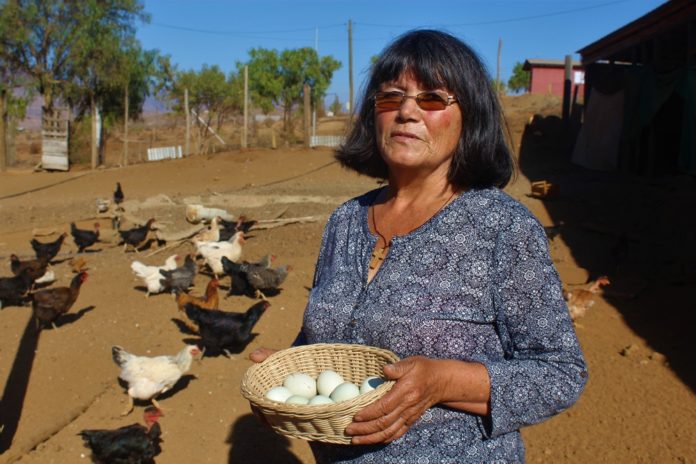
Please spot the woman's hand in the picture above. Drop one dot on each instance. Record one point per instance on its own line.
(421, 383)
(260, 354)
(417, 388)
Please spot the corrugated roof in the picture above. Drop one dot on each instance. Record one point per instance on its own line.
(538, 63)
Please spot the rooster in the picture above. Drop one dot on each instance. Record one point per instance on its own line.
(49, 304)
(13, 290)
(209, 301)
(222, 331)
(131, 444)
(580, 300)
(180, 278)
(151, 275)
(136, 237)
(84, 238)
(148, 377)
(213, 252)
(48, 250)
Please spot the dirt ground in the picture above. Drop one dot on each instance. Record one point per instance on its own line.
(639, 405)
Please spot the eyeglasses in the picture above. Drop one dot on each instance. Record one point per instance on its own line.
(431, 100)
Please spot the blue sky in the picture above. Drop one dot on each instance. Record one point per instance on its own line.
(221, 32)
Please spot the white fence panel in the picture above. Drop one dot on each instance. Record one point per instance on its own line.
(326, 140)
(160, 153)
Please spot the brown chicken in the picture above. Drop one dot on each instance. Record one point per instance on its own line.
(210, 300)
(36, 267)
(49, 304)
(580, 299)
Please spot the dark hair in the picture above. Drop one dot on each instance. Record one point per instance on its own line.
(437, 60)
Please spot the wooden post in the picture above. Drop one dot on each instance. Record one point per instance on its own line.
(567, 87)
(3, 130)
(94, 131)
(246, 106)
(307, 114)
(187, 141)
(124, 162)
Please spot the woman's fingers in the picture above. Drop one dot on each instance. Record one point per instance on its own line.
(260, 354)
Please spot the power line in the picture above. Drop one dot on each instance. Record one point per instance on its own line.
(241, 33)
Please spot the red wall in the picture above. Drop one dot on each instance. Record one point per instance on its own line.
(550, 81)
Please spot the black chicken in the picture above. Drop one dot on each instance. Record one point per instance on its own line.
(223, 331)
(254, 277)
(229, 228)
(132, 444)
(118, 194)
(181, 278)
(48, 250)
(13, 290)
(84, 238)
(137, 236)
(239, 285)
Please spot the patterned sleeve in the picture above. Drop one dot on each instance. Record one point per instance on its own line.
(543, 371)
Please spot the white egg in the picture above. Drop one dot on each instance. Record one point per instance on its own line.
(327, 381)
(344, 392)
(279, 394)
(370, 384)
(297, 399)
(321, 399)
(301, 384)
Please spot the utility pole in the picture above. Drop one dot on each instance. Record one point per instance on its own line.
(307, 107)
(350, 65)
(125, 127)
(187, 141)
(498, 84)
(246, 106)
(3, 130)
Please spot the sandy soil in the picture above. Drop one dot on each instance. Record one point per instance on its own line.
(639, 404)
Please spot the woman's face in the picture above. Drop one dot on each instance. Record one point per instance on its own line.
(415, 139)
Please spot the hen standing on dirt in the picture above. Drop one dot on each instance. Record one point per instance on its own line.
(132, 444)
(84, 238)
(137, 236)
(222, 331)
(181, 278)
(49, 304)
(118, 196)
(37, 267)
(13, 290)
(48, 250)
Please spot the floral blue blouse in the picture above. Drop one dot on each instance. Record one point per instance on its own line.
(474, 283)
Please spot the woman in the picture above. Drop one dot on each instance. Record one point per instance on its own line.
(443, 268)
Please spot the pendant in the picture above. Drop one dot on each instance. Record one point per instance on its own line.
(378, 256)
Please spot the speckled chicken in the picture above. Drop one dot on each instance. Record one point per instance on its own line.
(180, 278)
(259, 278)
(131, 444)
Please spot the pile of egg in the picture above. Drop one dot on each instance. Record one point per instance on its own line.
(328, 388)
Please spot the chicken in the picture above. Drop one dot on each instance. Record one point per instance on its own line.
(131, 444)
(118, 196)
(84, 238)
(222, 331)
(211, 234)
(151, 275)
(580, 300)
(37, 267)
(229, 228)
(77, 264)
(148, 377)
(49, 304)
(180, 278)
(255, 277)
(213, 252)
(136, 237)
(238, 282)
(13, 290)
(209, 301)
(48, 250)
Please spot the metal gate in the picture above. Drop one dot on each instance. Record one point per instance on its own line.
(54, 135)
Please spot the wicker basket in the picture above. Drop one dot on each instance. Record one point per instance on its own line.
(326, 423)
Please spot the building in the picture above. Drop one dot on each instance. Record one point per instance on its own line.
(548, 77)
(640, 97)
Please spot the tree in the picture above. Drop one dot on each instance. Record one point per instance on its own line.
(520, 79)
(498, 86)
(42, 39)
(336, 106)
(278, 79)
(212, 98)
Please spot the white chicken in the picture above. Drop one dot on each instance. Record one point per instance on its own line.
(148, 377)
(213, 252)
(151, 275)
(211, 233)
